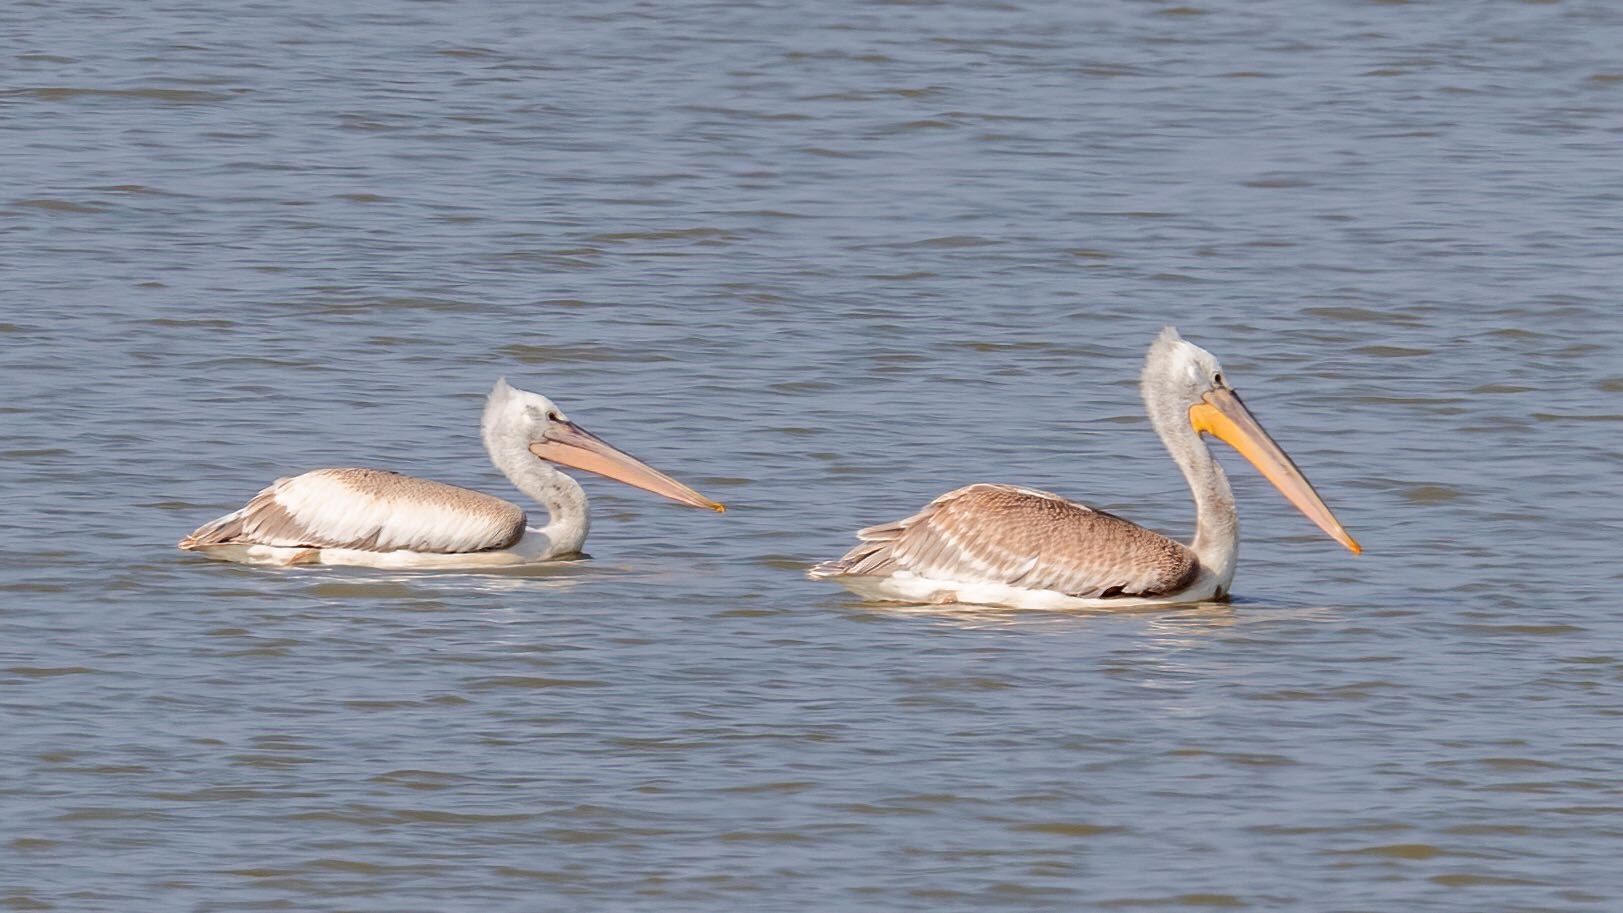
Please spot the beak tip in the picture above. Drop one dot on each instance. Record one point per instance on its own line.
(1354, 547)
(719, 507)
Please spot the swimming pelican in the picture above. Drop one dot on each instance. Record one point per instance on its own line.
(1011, 546)
(376, 518)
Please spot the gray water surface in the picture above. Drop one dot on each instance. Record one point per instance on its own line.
(823, 262)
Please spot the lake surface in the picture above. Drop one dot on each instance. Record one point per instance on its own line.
(823, 262)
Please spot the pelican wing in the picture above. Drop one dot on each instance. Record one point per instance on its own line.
(1022, 537)
(367, 509)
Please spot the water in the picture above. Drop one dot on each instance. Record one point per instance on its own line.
(823, 262)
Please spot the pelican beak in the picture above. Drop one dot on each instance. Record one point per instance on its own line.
(1220, 413)
(572, 445)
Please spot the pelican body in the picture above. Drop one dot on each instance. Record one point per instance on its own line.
(1009, 546)
(377, 518)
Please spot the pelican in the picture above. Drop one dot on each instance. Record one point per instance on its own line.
(377, 518)
(1004, 545)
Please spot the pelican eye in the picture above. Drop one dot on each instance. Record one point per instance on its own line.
(1217, 379)
(554, 417)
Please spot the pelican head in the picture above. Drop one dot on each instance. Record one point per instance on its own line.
(1184, 384)
(1180, 369)
(540, 426)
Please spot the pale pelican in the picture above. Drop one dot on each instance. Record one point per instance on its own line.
(376, 518)
(1011, 546)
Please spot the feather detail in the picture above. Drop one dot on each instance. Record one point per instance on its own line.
(1021, 536)
(367, 510)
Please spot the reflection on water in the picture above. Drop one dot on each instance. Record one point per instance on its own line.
(1188, 618)
(825, 262)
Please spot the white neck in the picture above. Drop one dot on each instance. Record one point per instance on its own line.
(1217, 524)
(565, 501)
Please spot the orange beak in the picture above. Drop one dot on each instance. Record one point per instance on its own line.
(1220, 413)
(572, 445)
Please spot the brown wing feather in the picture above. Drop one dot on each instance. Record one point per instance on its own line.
(1022, 537)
